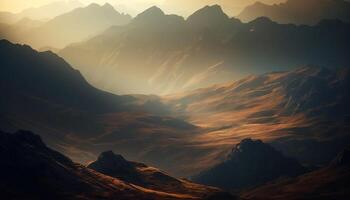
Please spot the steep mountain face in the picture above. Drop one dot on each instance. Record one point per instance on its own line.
(163, 54)
(302, 113)
(298, 11)
(140, 174)
(75, 26)
(327, 183)
(44, 94)
(250, 163)
(31, 170)
(47, 77)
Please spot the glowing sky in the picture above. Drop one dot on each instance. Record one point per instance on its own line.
(176, 6)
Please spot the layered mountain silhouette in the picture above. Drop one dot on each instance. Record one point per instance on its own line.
(140, 174)
(162, 54)
(298, 11)
(302, 113)
(31, 170)
(330, 182)
(51, 10)
(75, 26)
(250, 163)
(42, 13)
(46, 95)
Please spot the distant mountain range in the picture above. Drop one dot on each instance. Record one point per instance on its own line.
(299, 11)
(31, 170)
(51, 10)
(161, 54)
(74, 26)
(42, 13)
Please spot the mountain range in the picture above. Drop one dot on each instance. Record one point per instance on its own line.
(299, 11)
(162, 54)
(42, 13)
(46, 95)
(75, 26)
(164, 107)
(301, 113)
(45, 173)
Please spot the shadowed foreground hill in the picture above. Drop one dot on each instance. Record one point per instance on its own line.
(250, 163)
(331, 182)
(140, 174)
(30, 170)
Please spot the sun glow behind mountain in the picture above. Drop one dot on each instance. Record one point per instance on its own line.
(182, 7)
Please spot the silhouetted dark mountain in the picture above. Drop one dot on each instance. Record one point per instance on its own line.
(31, 170)
(45, 94)
(27, 75)
(250, 163)
(163, 53)
(140, 174)
(331, 182)
(208, 16)
(299, 11)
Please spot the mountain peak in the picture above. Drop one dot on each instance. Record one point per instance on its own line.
(243, 167)
(247, 146)
(110, 155)
(208, 15)
(107, 5)
(212, 8)
(93, 5)
(109, 161)
(209, 11)
(151, 12)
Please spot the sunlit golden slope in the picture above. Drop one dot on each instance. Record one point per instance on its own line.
(308, 104)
